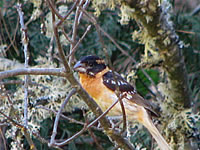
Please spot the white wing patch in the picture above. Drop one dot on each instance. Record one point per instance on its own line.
(128, 96)
(113, 82)
(121, 83)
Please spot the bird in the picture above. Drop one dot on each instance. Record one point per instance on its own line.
(101, 83)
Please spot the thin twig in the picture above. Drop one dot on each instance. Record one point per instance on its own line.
(74, 32)
(87, 2)
(3, 124)
(103, 114)
(18, 82)
(80, 40)
(195, 11)
(60, 50)
(68, 13)
(72, 137)
(3, 136)
(93, 20)
(54, 10)
(14, 36)
(8, 33)
(95, 139)
(66, 36)
(52, 141)
(91, 133)
(42, 140)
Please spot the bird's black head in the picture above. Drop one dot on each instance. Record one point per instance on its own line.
(90, 65)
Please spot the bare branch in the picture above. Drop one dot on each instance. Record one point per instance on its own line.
(54, 10)
(77, 44)
(74, 32)
(7, 64)
(73, 91)
(26, 57)
(72, 137)
(99, 147)
(60, 50)
(8, 33)
(66, 36)
(91, 133)
(87, 2)
(2, 136)
(32, 71)
(68, 13)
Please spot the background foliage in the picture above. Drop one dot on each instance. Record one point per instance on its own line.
(52, 90)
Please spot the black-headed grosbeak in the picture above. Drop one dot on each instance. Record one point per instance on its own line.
(100, 83)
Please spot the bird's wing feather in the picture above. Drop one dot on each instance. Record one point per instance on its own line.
(109, 80)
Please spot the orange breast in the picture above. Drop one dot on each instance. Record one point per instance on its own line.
(100, 93)
(92, 85)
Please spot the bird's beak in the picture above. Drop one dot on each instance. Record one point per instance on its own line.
(80, 67)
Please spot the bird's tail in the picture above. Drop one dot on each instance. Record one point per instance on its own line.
(147, 122)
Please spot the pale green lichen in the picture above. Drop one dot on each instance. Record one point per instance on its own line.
(100, 5)
(143, 9)
(37, 11)
(49, 26)
(159, 2)
(126, 14)
(152, 7)
(148, 18)
(182, 123)
(166, 41)
(147, 40)
(161, 31)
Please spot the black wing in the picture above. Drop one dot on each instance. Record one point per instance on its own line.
(109, 80)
